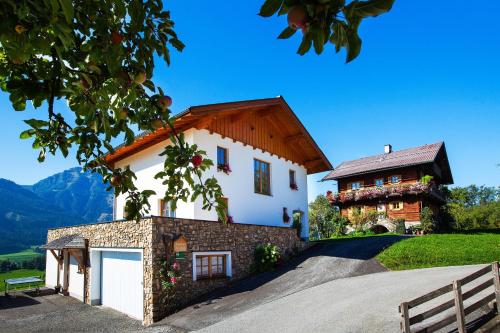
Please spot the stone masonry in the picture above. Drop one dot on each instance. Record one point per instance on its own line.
(155, 234)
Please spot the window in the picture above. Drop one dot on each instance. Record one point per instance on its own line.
(355, 186)
(166, 209)
(379, 182)
(293, 182)
(208, 265)
(396, 205)
(380, 208)
(262, 178)
(394, 179)
(222, 157)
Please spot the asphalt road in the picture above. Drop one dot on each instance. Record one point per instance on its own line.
(327, 261)
(366, 303)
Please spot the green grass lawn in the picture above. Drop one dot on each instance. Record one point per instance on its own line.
(27, 254)
(442, 250)
(354, 236)
(19, 273)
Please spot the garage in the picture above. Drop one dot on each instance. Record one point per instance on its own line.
(122, 281)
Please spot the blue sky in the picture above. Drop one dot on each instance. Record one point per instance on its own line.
(428, 71)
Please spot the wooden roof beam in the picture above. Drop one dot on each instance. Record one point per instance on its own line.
(309, 164)
(266, 112)
(294, 137)
(241, 116)
(204, 122)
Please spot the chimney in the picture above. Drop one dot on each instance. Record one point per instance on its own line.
(387, 149)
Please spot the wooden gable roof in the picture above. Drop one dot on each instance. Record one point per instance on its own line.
(267, 124)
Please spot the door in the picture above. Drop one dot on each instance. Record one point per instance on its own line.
(122, 282)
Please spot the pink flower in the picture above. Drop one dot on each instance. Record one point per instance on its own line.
(175, 265)
(173, 279)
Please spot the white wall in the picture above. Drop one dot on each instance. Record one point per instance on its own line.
(51, 270)
(75, 287)
(245, 206)
(146, 164)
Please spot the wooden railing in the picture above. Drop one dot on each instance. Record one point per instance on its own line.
(407, 320)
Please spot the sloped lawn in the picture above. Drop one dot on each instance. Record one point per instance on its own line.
(442, 250)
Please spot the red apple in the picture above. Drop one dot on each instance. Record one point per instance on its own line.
(115, 180)
(140, 78)
(197, 160)
(297, 17)
(165, 102)
(116, 38)
(157, 123)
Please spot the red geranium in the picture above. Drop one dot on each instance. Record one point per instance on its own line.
(173, 279)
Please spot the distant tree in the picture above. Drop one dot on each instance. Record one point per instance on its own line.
(98, 57)
(472, 207)
(322, 215)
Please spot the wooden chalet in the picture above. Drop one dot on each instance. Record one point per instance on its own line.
(395, 182)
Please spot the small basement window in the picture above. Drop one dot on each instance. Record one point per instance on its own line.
(209, 265)
(166, 209)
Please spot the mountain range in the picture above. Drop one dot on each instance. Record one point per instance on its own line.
(67, 198)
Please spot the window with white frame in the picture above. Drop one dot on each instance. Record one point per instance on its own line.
(396, 205)
(210, 265)
(394, 179)
(166, 209)
(355, 186)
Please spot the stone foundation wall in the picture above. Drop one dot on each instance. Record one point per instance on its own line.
(240, 239)
(154, 235)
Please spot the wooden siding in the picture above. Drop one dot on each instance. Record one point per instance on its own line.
(410, 212)
(408, 175)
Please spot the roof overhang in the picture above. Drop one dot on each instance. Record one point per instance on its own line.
(66, 242)
(200, 117)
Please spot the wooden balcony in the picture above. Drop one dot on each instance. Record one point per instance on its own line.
(387, 192)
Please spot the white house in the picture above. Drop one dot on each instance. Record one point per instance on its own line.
(268, 150)
(119, 264)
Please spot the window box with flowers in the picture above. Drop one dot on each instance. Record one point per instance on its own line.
(223, 161)
(293, 180)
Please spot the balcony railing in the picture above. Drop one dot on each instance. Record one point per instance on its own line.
(386, 192)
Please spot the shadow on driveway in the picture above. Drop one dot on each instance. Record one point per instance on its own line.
(323, 262)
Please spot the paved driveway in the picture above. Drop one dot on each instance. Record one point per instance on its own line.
(55, 313)
(327, 261)
(360, 304)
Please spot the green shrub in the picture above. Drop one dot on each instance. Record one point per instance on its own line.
(400, 226)
(427, 220)
(297, 224)
(265, 256)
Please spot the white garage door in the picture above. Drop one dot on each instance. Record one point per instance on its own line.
(122, 282)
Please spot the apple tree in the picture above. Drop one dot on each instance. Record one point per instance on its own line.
(98, 57)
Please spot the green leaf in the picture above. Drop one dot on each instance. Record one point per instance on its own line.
(67, 8)
(371, 7)
(353, 45)
(270, 7)
(287, 33)
(305, 45)
(318, 40)
(27, 134)
(177, 44)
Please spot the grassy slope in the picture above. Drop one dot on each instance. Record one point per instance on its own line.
(442, 250)
(20, 256)
(18, 274)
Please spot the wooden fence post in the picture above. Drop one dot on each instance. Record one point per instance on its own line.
(459, 305)
(496, 281)
(405, 317)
